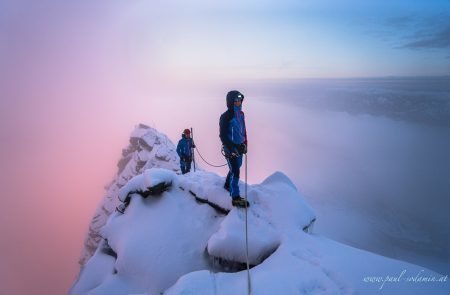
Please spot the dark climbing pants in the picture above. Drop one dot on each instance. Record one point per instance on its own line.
(185, 167)
(232, 181)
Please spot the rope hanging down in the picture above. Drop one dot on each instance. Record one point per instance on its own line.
(249, 283)
(196, 148)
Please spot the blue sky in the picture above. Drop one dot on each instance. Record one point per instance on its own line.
(291, 39)
(241, 39)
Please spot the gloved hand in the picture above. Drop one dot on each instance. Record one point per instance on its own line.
(242, 148)
(188, 159)
(182, 159)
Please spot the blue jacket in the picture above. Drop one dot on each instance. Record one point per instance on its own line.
(232, 127)
(184, 148)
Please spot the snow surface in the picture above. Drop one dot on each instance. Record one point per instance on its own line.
(166, 245)
(148, 148)
(146, 180)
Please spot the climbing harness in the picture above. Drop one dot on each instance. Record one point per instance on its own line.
(232, 155)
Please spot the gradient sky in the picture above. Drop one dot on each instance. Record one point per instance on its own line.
(242, 39)
(289, 39)
(76, 76)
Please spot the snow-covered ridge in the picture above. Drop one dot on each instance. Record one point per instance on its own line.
(170, 243)
(147, 148)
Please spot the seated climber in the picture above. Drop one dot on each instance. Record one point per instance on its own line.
(184, 151)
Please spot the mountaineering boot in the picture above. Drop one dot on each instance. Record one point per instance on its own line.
(240, 202)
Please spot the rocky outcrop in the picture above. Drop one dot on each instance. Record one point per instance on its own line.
(147, 149)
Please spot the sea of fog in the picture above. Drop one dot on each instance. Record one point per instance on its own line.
(370, 155)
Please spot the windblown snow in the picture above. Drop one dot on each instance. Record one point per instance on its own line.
(188, 239)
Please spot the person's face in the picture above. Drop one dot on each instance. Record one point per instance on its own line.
(188, 135)
(238, 102)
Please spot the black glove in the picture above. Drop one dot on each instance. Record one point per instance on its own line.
(182, 159)
(242, 148)
(188, 159)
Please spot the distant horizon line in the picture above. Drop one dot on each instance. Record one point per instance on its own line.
(275, 79)
(357, 77)
(214, 82)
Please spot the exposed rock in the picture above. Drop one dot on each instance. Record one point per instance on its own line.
(147, 149)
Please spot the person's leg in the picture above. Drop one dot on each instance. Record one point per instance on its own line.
(183, 167)
(188, 167)
(235, 164)
(227, 180)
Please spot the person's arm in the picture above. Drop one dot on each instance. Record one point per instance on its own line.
(179, 149)
(224, 131)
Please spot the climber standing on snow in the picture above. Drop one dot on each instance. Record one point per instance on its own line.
(234, 140)
(184, 151)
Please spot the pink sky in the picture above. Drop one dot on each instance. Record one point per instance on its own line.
(68, 104)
